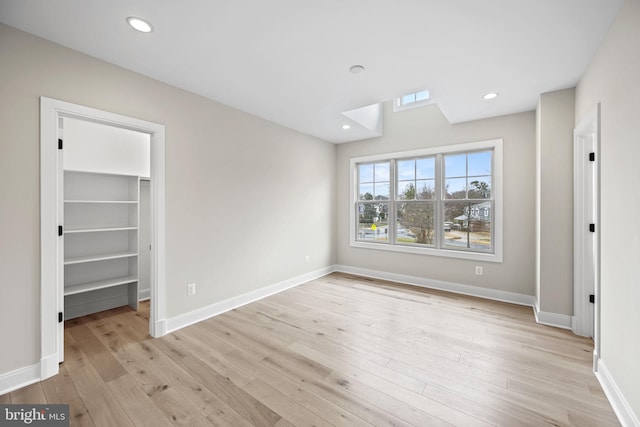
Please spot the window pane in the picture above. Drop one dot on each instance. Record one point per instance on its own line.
(373, 221)
(381, 191)
(422, 95)
(480, 187)
(415, 223)
(425, 189)
(365, 173)
(381, 172)
(406, 190)
(426, 168)
(455, 165)
(408, 99)
(406, 169)
(456, 188)
(468, 226)
(479, 163)
(366, 192)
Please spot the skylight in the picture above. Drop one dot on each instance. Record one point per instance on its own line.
(412, 100)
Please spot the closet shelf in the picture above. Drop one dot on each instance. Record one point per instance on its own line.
(130, 202)
(101, 284)
(97, 229)
(101, 257)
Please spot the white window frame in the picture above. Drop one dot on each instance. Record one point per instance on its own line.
(497, 225)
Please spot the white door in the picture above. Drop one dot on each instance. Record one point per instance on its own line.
(586, 226)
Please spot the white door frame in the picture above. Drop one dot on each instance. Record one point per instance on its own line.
(586, 244)
(51, 245)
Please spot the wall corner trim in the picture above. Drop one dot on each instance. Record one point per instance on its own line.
(620, 406)
(203, 313)
(476, 291)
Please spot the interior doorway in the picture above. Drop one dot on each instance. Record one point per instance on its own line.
(586, 288)
(52, 182)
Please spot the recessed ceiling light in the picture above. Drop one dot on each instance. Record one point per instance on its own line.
(356, 69)
(346, 126)
(491, 95)
(140, 24)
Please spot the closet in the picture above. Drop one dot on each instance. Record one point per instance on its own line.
(104, 170)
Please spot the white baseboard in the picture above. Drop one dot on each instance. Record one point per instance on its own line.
(204, 313)
(476, 291)
(563, 321)
(620, 406)
(144, 294)
(19, 378)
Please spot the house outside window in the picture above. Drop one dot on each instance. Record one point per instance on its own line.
(444, 201)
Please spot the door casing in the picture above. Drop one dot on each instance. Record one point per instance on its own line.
(51, 208)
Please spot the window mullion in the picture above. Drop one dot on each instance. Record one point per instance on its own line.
(439, 206)
(355, 204)
(393, 186)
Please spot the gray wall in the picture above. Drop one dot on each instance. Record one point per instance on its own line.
(246, 199)
(427, 127)
(554, 202)
(613, 79)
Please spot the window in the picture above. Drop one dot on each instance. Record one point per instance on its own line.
(373, 201)
(412, 100)
(443, 201)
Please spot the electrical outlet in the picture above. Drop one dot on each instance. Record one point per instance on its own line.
(191, 289)
(479, 270)
(307, 258)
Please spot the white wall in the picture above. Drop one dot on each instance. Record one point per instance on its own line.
(427, 127)
(246, 199)
(613, 79)
(94, 147)
(554, 202)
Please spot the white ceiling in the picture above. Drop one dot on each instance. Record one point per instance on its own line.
(288, 60)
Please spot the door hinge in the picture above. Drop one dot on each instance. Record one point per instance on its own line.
(592, 157)
(59, 143)
(60, 317)
(60, 230)
(592, 228)
(592, 299)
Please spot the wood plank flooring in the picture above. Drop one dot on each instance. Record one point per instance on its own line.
(342, 351)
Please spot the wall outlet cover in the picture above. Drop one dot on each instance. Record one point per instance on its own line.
(191, 289)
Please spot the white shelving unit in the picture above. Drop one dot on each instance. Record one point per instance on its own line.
(101, 219)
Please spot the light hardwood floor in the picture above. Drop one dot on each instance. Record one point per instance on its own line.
(341, 350)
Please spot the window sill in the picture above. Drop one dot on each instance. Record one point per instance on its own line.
(474, 256)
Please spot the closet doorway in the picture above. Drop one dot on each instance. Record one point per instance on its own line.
(102, 236)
